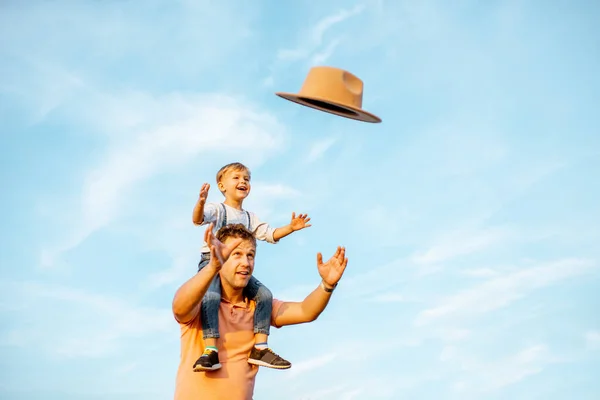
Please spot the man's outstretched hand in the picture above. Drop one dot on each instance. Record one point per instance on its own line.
(219, 252)
(332, 270)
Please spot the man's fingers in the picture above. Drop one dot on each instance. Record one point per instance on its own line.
(208, 233)
(319, 258)
(234, 243)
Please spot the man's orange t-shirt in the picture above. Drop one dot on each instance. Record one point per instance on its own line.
(235, 380)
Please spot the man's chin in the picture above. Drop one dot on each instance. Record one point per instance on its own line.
(241, 283)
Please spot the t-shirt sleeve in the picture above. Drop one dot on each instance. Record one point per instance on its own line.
(276, 307)
(262, 230)
(211, 212)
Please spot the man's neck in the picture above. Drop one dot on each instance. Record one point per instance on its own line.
(237, 204)
(232, 295)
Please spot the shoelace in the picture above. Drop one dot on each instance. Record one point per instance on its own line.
(272, 352)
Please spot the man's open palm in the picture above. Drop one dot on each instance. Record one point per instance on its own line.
(332, 270)
(219, 252)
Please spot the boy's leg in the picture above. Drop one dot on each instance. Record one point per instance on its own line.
(261, 354)
(209, 316)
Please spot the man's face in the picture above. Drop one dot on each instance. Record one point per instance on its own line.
(236, 272)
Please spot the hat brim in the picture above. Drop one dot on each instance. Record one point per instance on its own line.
(331, 107)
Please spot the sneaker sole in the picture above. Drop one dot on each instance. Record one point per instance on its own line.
(264, 364)
(200, 368)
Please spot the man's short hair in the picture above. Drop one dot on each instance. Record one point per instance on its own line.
(235, 166)
(235, 231)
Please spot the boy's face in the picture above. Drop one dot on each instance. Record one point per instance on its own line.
(235, 184)
(237, 270)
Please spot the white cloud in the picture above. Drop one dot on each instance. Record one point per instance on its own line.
(166, 133)
(126, 368)
(480, 272)
(313, 40)
(501, 291)
(592, 340)
(322, 56)
(274, 190)
(319, 147)
(88, 324)
(459, 243)
(486, 375)
(311, 364)
(389, 297)
(182, 266)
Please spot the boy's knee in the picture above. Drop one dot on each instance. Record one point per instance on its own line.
(210, 297)
(265, 294)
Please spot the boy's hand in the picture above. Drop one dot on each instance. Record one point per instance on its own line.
(219, 252)
(332, 270)
(203, 193)
(299, 222)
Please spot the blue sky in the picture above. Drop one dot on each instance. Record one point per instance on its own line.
(471, 215)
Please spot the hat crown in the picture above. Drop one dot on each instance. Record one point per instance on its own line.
(334, 84)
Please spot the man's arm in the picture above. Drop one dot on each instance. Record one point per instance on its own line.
(297, 223)
(186, 302)
(312, 306)
(198, 213)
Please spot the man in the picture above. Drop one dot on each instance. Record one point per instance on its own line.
(232, 256)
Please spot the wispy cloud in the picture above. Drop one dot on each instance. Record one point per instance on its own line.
(311, 364)
(480, 272)
(319, 148)
(459, 243)
(592, 340)
(314, 39)
(501, 291)
(186, 126)
(478, 376)
(322, 56)
(97, 324)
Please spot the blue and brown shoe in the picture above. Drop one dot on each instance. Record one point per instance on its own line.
(208, 361)
(267, 358)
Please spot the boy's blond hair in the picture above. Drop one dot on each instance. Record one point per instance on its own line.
(235, 166)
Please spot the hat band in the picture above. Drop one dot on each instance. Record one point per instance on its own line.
(328, 106)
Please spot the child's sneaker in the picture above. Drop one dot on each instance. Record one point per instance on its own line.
(208, 361)
(266, 358)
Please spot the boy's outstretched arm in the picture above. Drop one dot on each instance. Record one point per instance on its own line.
(298, 222)
(312, 306)
(198, 214)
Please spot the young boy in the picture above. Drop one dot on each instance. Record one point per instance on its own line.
(233, 180)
